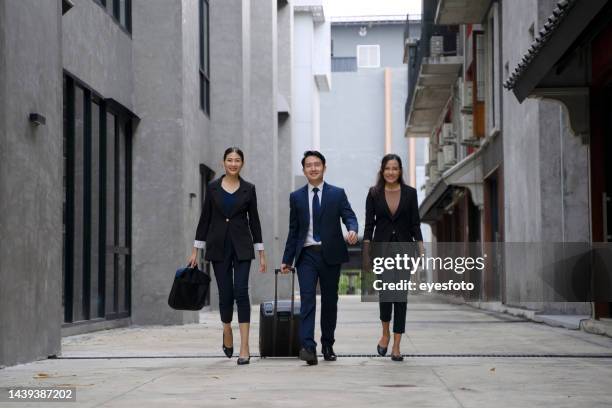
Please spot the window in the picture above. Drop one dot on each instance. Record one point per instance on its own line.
(96, 210)
(204, 57)
(120, 10)
(368, 56)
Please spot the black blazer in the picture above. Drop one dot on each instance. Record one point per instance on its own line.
(242, 223)
(405, 222)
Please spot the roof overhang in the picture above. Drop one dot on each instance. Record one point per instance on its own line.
(451, 12)
(468, 173)
(554, 67)
(570, 18)
(432, 208)
(433, 89)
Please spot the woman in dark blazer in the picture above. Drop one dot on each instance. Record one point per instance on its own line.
(392, 215)
(230, 231)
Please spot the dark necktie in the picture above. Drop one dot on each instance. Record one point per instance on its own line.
(316, 216)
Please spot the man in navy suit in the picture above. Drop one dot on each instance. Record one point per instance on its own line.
(316, 244)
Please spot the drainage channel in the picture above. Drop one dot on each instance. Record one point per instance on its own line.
(419, 355)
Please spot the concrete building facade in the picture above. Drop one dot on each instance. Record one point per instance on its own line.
(119, 115)
(499, 170)
(566, 69)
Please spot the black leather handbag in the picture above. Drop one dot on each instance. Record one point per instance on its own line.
(189, 290)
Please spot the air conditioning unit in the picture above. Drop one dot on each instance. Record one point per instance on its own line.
(450, 157)
(447, 132)
(467, 91)
(441, 164)
(433, 152)
(432, 172)
(436, 46)
(467, 128)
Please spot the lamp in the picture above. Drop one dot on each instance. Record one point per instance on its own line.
(37, 119)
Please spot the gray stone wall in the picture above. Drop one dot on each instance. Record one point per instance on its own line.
(30, 181)
(545, 170)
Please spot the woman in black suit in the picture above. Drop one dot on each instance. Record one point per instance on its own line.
(392, 215)
(230, 231)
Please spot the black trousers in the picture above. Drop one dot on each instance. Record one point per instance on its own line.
(232, 277)
(399, 315)
(398, 309)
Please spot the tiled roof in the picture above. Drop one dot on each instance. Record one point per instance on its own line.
(559, 13)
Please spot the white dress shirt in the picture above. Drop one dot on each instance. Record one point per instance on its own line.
(202, 244)
(309, 236)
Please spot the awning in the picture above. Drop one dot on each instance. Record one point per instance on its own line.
(461, 11)
(467, 174)
(432, 208)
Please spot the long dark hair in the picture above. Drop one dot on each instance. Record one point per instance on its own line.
(379, 188)
(233, 149)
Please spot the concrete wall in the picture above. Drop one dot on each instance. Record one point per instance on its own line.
(546, 173)
(390, 37)
(30, 181)
(158, 243)
(98, 51)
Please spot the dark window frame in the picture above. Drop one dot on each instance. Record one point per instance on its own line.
(204, 66)
(106, 106)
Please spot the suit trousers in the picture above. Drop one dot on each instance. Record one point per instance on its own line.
(312, 268)
(398, 309)
(232, 277)
(399, 315)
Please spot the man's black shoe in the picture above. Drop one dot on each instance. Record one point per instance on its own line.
(328, 353)
(309, 356)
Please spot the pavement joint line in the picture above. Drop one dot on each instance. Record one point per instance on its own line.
(419, 355)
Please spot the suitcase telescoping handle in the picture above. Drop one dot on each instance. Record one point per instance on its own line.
(276, 272)
(275, 317)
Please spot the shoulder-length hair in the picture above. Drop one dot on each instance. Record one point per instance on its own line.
(379, 188)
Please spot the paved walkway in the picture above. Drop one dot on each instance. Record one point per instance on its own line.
(457, 357)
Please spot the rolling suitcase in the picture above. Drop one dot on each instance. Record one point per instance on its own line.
(279, 323)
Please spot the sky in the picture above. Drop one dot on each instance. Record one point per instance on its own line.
(334, 8)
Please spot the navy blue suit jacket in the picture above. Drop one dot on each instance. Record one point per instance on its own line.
(334, 206)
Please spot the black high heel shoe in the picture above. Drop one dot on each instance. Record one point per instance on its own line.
(243, 360)
(382, 351)
(397, 357)
(229, 351)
